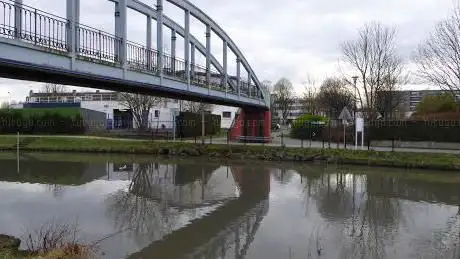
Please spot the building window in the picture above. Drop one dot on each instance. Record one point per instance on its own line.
(226, 114)
(157, 113)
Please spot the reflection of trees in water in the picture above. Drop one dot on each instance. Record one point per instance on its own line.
(283, 175)
(151, 205)
(147, 219)
(443, 242)
(368, 211)
(368, 220)
(56, 189)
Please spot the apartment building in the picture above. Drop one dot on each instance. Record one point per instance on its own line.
(295, 111)
(411, 99)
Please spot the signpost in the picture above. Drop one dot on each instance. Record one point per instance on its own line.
(359, 128)
(174, 112)
(345, 116)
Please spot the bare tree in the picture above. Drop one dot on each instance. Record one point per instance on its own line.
(197, 107)
(334, 95)
(268, 86)
(374, 57)
(389, 98)
(283, 97)
(438, 58)
(52, 88)
(309, 100)
(140, 106)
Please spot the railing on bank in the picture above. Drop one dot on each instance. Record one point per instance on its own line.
(52, 33)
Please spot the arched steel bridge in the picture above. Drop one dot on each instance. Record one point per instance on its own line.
(39, 46)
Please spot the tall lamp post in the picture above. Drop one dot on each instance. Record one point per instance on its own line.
(355, 78)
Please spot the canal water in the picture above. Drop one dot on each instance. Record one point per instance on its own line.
(142, 207)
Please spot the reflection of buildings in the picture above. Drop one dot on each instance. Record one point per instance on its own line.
(178, 185)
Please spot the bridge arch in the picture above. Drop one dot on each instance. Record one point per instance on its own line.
(151, 13)
(251, 87)
(200, 15)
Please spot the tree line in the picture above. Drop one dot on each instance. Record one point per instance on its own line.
(376, 71)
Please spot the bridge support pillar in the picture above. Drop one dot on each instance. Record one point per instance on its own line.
(121, 31)
(208, 56)
(224, 67)
(73, 16)
(249, 85)
(192, 60)
(149, 42)
(160, 37)
(238, 75)
(187, 46)
(252, 125)
(173, 51)
(17, 18)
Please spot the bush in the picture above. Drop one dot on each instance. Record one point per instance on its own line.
(308, 126)
(437, 103)
(189, 124)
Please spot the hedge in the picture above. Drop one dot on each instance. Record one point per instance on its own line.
(415, 130)
(189, 124)
(49, 122)
(308, 126)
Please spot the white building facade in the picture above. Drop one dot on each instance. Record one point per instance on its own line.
(118, 115)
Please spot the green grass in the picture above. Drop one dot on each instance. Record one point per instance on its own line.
(370, 158)
(7, 141)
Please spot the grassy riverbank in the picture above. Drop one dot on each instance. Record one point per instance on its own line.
(247, 152)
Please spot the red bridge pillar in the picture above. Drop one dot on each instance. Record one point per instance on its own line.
(252, 125)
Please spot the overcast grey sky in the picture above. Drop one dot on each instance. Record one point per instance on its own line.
(291, 38)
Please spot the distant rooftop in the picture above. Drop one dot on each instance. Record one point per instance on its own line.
(72, 96)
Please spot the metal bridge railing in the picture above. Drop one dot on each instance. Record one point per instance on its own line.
(140, 58)
(97, 45)
(37, 27)
(52, 33)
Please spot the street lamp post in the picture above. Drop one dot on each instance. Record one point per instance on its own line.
(355, 78)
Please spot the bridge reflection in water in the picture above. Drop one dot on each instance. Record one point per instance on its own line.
(161, 204)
